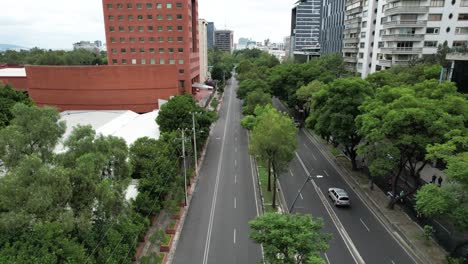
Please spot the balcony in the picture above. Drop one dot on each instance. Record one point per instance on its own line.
(406, 10)
(395, 50)
(403, 37)
(404, 23)
(350, 49)
(354, 10)
(350, 2)
(350, 68)
(390, 63)
(353, 20)
(352, 30)
(350, 59)
(351, 40)
(385, 63)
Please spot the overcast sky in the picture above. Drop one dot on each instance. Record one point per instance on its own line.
(57, 24)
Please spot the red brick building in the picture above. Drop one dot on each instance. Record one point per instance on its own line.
(163, 32)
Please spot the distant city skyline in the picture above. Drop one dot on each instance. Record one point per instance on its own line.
(52, 24)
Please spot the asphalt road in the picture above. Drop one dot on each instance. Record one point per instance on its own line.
(358, 235)
(216, 228)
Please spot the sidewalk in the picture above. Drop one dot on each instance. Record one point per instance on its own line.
(408, 233)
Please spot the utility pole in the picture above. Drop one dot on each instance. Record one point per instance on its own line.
(185, 169)
(195, 144)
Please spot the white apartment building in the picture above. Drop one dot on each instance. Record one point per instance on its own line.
(203, 48)
(380, 34)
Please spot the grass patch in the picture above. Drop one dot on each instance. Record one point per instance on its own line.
(335, 152)
(165, 240)
(172, 224)
(152, 259)
(214, 103)
(267, 196)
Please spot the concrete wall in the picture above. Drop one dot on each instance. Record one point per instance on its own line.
(131, 87)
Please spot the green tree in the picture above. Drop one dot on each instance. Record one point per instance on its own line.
(8, 98)
(273, 141)
(304, 95)
(250, 85)
(254, 99)
(337, 110)
(290, 238)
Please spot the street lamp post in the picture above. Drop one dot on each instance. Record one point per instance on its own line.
(185, 169)
(195, 143)
(308, 178)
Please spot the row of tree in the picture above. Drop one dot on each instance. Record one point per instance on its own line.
(221, 65)
(37, 56)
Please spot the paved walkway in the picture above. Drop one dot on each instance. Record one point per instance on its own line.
(396, 220)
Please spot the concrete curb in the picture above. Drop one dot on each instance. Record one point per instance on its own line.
(374, 207)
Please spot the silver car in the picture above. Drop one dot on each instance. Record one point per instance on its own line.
(339, 197)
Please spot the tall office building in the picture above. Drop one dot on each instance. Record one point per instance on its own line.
(331, 35)
(210, 35)
(224, 40)
(202, 29)
(163, 32)
(381, 34)
(305, 25)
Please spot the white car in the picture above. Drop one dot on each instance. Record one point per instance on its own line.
(339, 197)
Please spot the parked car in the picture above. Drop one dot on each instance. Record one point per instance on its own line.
(339, 197)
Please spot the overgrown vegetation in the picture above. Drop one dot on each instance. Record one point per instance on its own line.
(38, 56)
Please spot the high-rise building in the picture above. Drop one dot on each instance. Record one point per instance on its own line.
(224, 40)
(87, 45)
(202, 29)
(331, 35)
(210, 35)
(305, 25)
(381, 34)
(163, 32)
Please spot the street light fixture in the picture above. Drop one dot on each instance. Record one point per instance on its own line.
(308, 178)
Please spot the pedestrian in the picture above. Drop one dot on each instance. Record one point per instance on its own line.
(440, 181)
(402, 193)
(434, 177)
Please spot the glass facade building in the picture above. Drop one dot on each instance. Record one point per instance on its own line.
(305, 25)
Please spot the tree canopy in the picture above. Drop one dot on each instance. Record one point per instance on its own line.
(8, 98)
(36, 56)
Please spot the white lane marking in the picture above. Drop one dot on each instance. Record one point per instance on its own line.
(234, 235)
(336, 221)
(326, 257)
(235, 202)
(236, 138)
(364, 224)
(326, 173)
(218, 138)
(235, 149)
(313, 156)
(290, 171)
(215, 194)
(235, 163)
(235, 179)
(300, 194)
(393, 262)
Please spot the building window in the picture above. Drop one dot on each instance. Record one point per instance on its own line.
(159, 17)
(168, 5)
(364, 24)
(181, 61)
(434, 17)
(363, 34)
(143, 61)
(121, 29)
(437, 3)
(430, 44)
(140, 17)
(139, 6)
(180, 28)
(124, 61)
(361, 55)
(133, 61)
(150, 28)
(180, 39)
(463, 17)
(149, 6)
(160, 39)
(149, 17)
(170, 50)
(160, 28)
(114, 51)
(432, 30)
(119, 6)
(130, 17)
(181, 71)
(110, 18)
(380, 44)
(161, 61)
(132, 50)
(170, 39)
(151, 50)
(361, 45)
(120, 17)
(169, 17)
(459, 43)
(181, 50)
(123, 50)
(129, 6)
(152, 61)
(131, 40)
(142, 50)
(112, 40)
(151, 39)
(179, 17)
(122, 40)
(158, 5)
(161, 50)
(171, 61)
(141, 39)
(109, 6)
(114, 61)
(464, 3)
(131, 28)
(169, 28)
(181, 84)
(111, 29)
(178, 5)
(461, 30)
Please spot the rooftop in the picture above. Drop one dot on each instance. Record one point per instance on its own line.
(13, 72)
